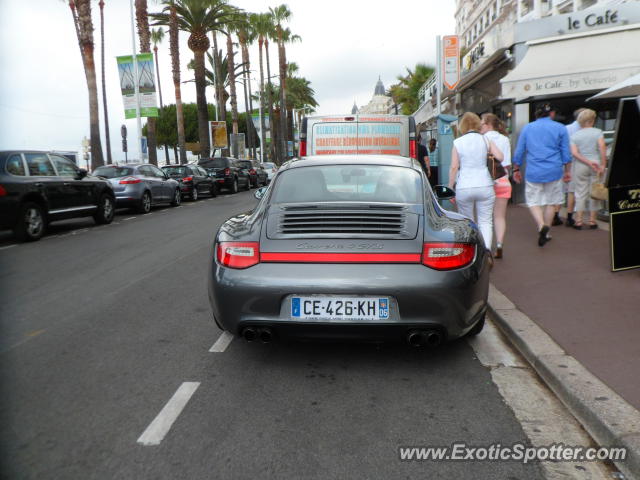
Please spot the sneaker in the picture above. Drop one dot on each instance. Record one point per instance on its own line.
(542, 235)
(556, 221)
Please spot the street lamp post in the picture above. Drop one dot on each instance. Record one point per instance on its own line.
(136, 86)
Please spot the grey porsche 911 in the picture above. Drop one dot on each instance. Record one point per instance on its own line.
(352, 248)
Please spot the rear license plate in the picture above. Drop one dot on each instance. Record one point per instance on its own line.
(340, 308)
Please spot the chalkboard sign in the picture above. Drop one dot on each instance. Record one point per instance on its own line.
(624, 188)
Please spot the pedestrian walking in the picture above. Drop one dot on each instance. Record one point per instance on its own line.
(570, 189)
(545, 144)
(473, 182)
(493, 128)
(423, 156)
(590, 154)
(433, 162)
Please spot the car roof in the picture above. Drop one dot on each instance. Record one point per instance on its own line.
(387, 160)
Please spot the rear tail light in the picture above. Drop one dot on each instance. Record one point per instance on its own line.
(303, 148)
(129, 181)
(3, 192)
(252, 171)
(238, 254)
(227, 171)
(448, 256)
(187, 179)
(413, 149)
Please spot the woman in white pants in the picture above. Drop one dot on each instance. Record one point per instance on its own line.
(474, 185)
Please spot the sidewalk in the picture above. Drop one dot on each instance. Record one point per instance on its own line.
(577, 324)
(567, 288)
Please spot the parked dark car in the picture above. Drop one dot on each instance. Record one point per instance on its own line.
(141, 186)
(193, 179)
(250, 167)
(37, 188)
(352, 247)
(261, 173)
(227, 173)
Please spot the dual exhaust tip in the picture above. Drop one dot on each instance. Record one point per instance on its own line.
(252, 334)
(415, 338)
(424, 338)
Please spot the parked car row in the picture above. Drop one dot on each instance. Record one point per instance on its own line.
(37, 188)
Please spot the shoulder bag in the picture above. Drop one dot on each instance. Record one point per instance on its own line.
(496, 170)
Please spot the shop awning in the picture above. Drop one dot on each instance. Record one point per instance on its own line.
(575, 63)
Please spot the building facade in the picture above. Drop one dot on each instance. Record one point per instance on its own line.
(380, 103)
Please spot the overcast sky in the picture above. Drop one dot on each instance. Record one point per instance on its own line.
(346, 45)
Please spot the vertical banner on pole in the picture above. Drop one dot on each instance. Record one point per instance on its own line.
(451, 61)
(146, 85)
(219, 134)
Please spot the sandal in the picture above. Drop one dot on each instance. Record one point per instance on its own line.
(578, 225)
(593, 226)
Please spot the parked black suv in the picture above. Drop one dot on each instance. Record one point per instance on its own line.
(257, 174)
(227, 173)
(37, 188)
(193, 179)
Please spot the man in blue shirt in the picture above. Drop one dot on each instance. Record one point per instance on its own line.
(545, 143)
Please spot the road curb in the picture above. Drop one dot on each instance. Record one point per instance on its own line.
(608, 418)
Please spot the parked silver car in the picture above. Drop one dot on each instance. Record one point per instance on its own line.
(140, 186)
(271, 169)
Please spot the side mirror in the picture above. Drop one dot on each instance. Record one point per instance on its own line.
(259, 193)
(81, 174)
(444, 193)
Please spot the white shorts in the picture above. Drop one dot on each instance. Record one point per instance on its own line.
(540, 194)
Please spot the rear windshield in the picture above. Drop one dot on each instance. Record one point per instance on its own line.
(245, 164)
(176, 170)
(268, 165)
(364, 138)
(348, 183)
(214, 163)
(113, 172)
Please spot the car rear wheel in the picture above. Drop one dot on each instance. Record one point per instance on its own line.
(194, 194)
(477, 328)
(31, 222)
(145, 203)
(106, 210)
(248, 187)
(177, 198)
(234, 187)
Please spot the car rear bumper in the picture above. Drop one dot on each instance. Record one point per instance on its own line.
(451, 302)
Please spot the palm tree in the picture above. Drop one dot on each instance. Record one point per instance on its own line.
(405, 92)
(246, 36)
(157, 35)
(231, 28)
(219, 73)
(198, 17)
(262, 26)
(279, 15)
(142, 20)
(288, 37)
(81, 12)
(104, 87)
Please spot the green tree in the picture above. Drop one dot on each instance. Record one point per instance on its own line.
(197, 18)
(81, 12)
(157, 35)
(280, 15)
(405, 92)
(261, 24)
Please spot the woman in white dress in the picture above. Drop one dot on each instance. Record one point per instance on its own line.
(469, 172)
(493, 129)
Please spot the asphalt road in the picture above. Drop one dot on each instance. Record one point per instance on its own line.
(102, 326)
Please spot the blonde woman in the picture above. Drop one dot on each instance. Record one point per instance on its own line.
(590, 158)
(493, 128)
(474, 185)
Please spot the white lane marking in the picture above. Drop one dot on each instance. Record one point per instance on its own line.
(75, 232)
(9, 246)
(161, 425)
(222, 343)
(130, 218)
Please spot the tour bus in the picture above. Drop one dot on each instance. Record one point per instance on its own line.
(362, 134)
